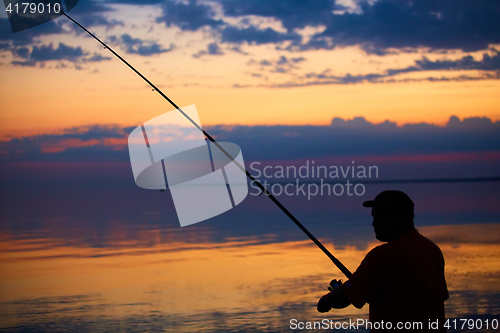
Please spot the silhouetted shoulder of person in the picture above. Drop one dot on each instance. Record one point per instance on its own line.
(403, 280)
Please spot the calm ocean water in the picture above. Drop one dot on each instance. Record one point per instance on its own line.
(78, 266)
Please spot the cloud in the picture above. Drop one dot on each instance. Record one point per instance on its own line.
(24, 63)
(281, 65)
(438, 25)
(96, 20)
(188, 16)
(43, 53)
(376, 26)
(292, 13)
(326, 78)
(359, 137)
(22, 52)
(489, 65)
(47, 53)
(137, 2)
(63, 52)
(90, 13)
(362, 124)
(350, 137)
(284, 60)
(26, 37)
(473, 123)
(192, 15)
(297, 60)
(253, 35)
(95, 139)
(212, 49)
(453, 124)
(139, 46)
(97, 58)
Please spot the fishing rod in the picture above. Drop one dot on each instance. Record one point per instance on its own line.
(337, 262)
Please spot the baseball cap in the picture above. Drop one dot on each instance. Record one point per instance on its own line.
(392, 200)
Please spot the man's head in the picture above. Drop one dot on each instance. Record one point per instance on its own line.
(392, 213)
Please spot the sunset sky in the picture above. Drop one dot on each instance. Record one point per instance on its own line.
(409, 87)
(253, 63)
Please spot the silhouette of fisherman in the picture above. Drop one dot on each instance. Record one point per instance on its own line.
(402, 280)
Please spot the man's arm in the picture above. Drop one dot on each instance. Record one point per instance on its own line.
(335, 299)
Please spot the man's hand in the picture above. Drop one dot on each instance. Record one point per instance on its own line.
(323, 304)
(334, 299)
(334, 283)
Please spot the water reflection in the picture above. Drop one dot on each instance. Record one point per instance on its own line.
(244, 284)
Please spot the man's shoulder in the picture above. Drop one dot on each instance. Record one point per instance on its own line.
(426, 241)
(406, 245)
(378, 251)
(413, 244)
(412, 239)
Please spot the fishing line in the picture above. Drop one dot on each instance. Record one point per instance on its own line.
(337, 262)
(307, 259)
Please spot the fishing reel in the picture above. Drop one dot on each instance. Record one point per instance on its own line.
(334, 283)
